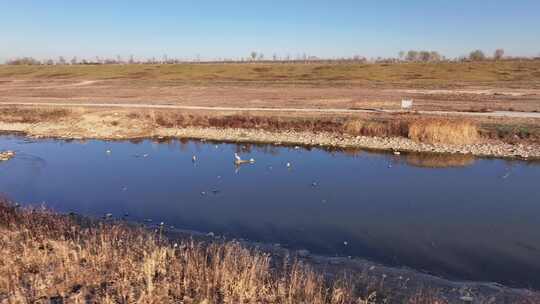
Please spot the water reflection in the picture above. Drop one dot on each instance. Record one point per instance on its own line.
(433, 160)
(477, 219)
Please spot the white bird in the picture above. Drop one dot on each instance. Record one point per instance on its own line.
(288, 165)
(194, 158)
(238, 160)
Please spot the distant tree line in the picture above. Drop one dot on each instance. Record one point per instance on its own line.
(254, 56)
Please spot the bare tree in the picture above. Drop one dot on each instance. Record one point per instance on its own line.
(401, 55)
(74, 60)
(477, 55)
(61, 60)
(253, 55)
(499, 54)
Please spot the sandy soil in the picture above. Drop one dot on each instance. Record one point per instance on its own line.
(508, 114)
(266, 96)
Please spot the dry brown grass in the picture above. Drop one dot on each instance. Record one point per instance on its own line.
(48, 257)
(388, 128)
(15, 114)
(53, 258)
(379, 128)
(174, 119)
(427, 130)
(518, 73)
(443, 131)
(434, 130)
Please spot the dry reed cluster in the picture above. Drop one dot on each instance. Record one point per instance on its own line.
(444, 131)
(48, 257)
(433, 131)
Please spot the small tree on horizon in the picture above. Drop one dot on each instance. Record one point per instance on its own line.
(412, 55)
(477, 55)
(499, 54)
(425, 56)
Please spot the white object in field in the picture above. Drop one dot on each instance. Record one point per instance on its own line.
(406, 103)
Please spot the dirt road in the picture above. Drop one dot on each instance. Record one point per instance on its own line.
(267, 95)
(507, 114)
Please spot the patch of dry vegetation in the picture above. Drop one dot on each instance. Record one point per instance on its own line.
(53, 258)
(47, 257)
(443, 131)
(13, 114)
(520, 73)
(381, 128)
(434, 130)
(236, 121)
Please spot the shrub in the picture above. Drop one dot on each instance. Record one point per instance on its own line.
(477, 55)
(393, 128)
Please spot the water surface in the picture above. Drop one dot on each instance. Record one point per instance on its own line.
(454, 216)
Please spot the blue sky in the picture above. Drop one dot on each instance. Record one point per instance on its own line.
(218, 29)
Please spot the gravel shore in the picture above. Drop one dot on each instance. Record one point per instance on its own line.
(86, 129)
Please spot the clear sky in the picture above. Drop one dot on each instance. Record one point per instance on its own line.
(219, 29)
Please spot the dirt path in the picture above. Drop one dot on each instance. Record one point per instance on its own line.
(507, 114)
(53, 86)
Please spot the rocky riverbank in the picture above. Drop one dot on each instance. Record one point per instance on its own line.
(98, 130)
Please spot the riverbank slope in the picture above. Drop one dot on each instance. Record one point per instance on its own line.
(399, 133)
(54, 257)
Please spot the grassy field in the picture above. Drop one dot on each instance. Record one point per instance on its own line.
(448, 75)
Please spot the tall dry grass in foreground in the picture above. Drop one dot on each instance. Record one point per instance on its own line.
(51, 258)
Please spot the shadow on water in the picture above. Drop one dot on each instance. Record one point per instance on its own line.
(450, 215)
